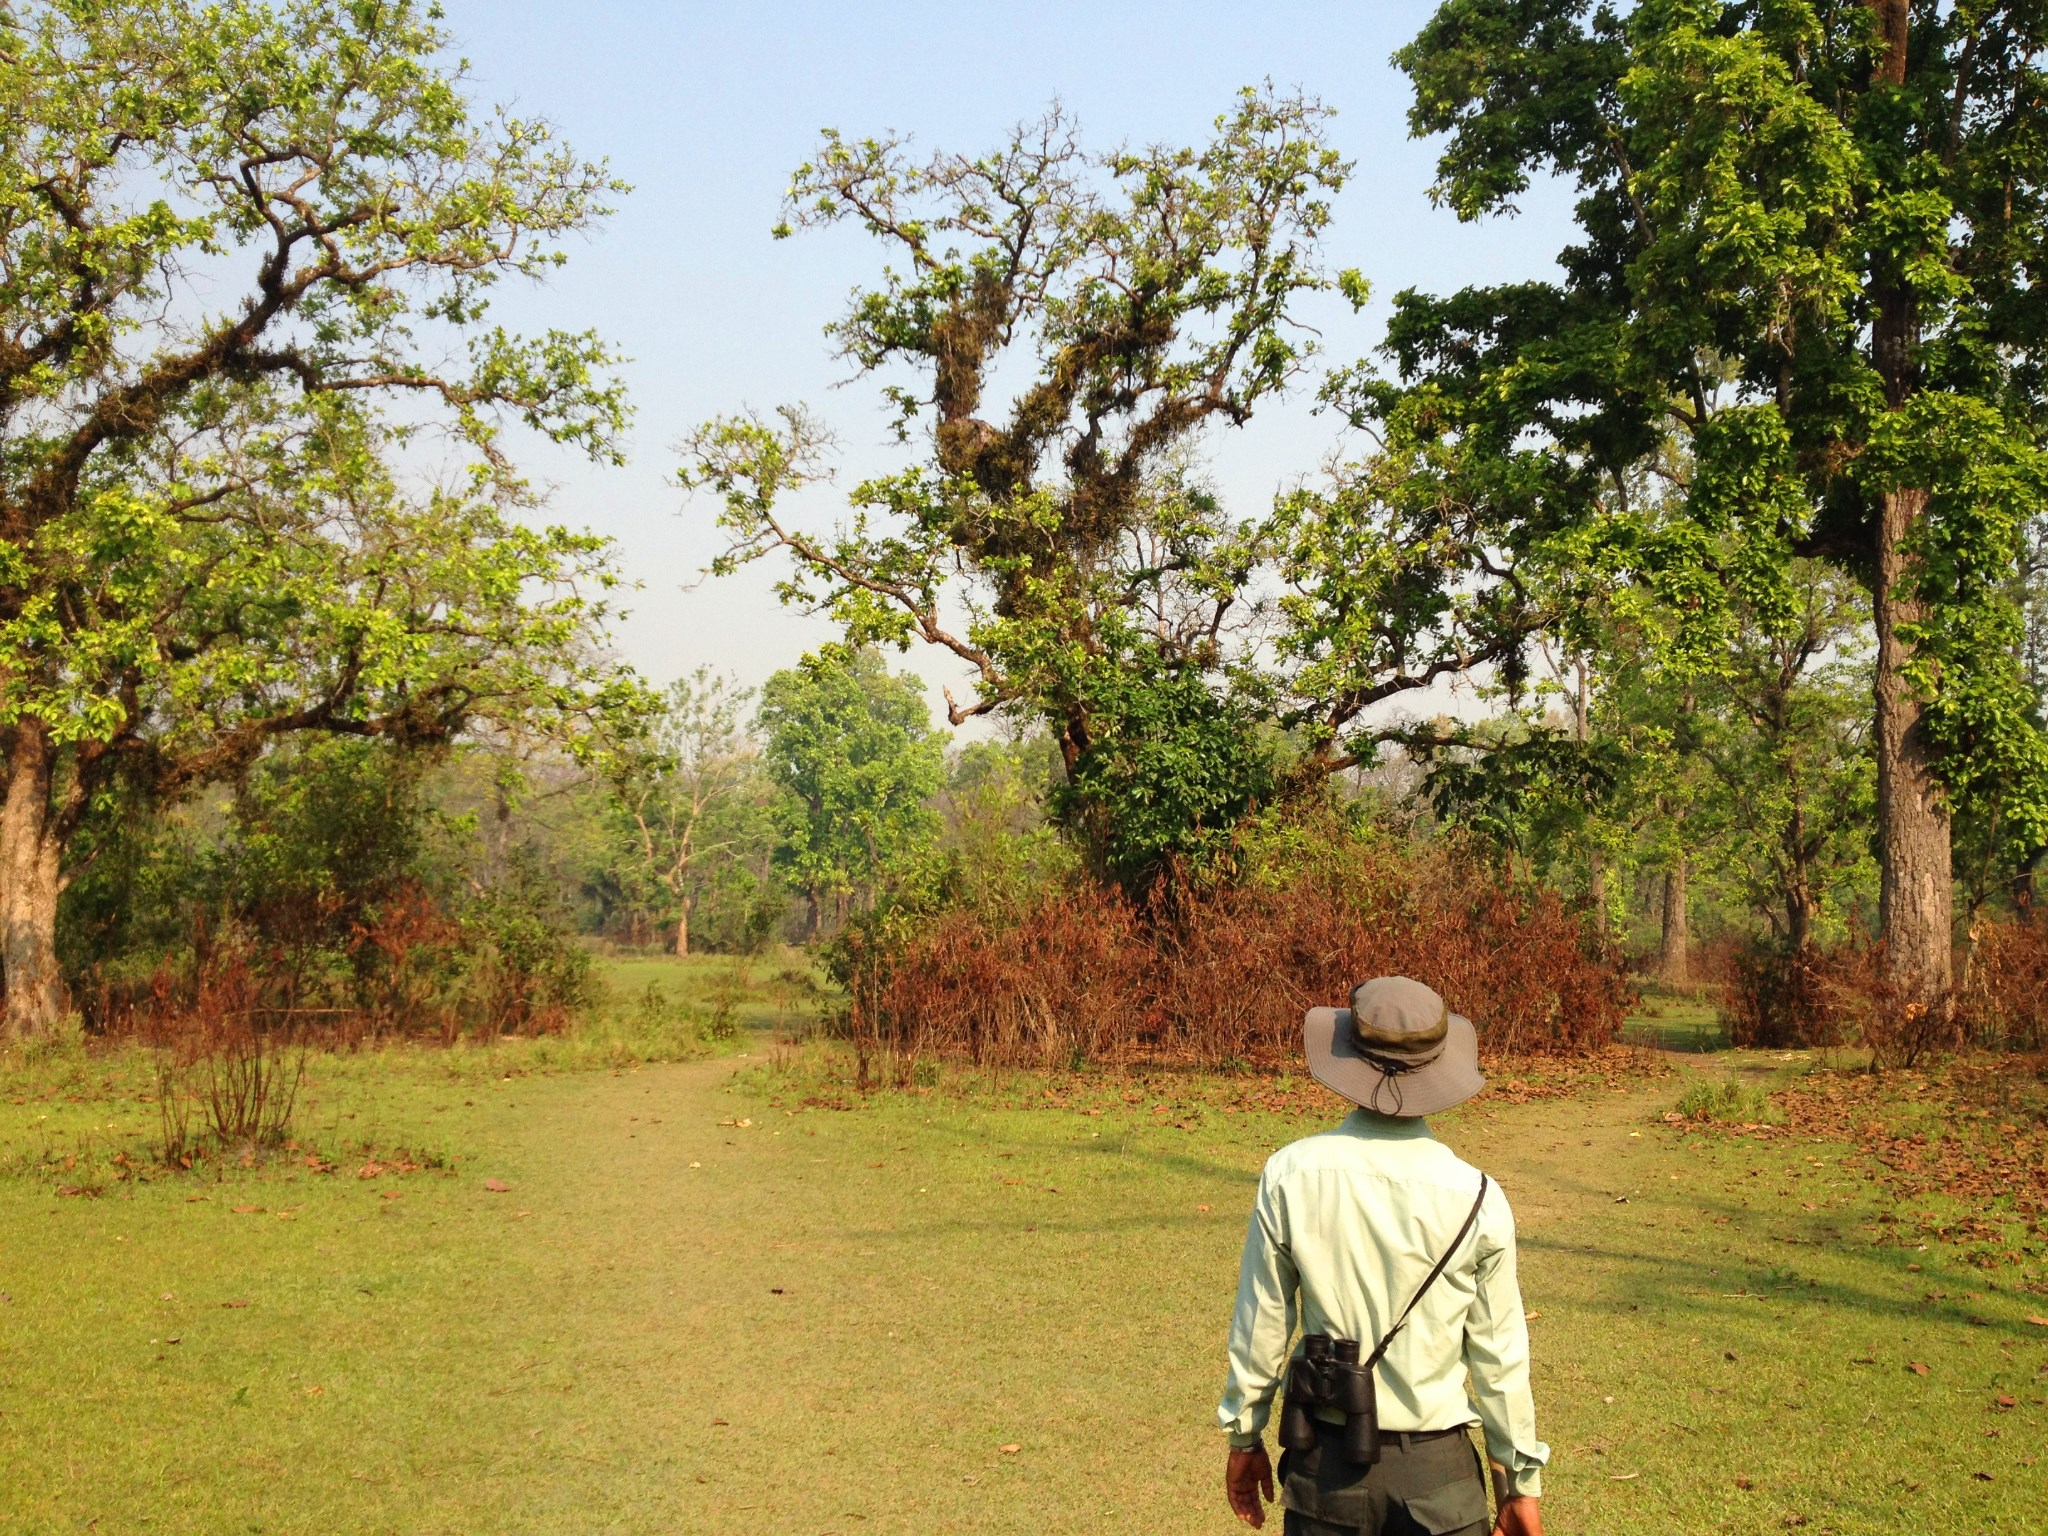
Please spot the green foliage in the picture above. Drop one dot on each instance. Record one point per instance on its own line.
(337, 880)
(1987, 483)
(1169, 770)
(229, 236)
(851, 749)
(1784, 811)
(1526, 788)
(1109, 598)
(1807, 254)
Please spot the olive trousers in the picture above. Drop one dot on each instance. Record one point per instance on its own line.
(1422, 1485)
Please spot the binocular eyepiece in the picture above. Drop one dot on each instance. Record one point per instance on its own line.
(1328, 1374)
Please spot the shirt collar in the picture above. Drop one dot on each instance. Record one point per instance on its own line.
(1372, 1126)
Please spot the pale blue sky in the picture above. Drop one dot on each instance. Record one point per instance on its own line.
(706, 109)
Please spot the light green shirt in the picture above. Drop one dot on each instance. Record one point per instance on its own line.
(1346, 1226)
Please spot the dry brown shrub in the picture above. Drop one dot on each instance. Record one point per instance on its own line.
(226, 1054)
(2004, 999)
(1218, 974)
(1780, 1000)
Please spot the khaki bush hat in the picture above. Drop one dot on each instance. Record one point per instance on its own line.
(1397, 1050)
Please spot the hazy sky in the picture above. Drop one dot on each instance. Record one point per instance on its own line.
(706, 109)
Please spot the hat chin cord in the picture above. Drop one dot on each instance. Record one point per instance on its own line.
(1391, 1069)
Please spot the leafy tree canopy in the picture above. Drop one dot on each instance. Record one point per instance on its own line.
(1809, 239)
(851, 747)
(228, 233)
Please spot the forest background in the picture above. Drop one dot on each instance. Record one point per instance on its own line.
(1727, 537)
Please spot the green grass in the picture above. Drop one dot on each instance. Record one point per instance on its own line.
(705, 1304)
(1730, 1101)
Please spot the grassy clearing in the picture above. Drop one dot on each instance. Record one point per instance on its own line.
(708, 1302)
(1672, 1020)
(93, 1121)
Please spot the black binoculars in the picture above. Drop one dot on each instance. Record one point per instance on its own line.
(1328, 1374)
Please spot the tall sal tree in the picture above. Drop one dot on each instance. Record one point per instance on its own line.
(1812, 238)
(1056, 331)
(227, 233)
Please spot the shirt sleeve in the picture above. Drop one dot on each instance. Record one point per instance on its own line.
(1497, 1356)
(1263, 1322)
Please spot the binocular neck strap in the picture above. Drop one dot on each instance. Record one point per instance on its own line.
(1457, 1242)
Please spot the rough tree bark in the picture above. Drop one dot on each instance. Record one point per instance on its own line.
(31, 878)
(1915, 895)
(1674, 958)
(683, 928)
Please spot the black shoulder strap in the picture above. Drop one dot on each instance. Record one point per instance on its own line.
(1457, 1242)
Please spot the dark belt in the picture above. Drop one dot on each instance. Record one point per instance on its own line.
(1410, 1438)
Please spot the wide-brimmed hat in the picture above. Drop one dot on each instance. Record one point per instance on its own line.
(1398, 1049)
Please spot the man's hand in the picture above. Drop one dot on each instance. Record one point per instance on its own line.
(1249, 1476)
(1519, 1517)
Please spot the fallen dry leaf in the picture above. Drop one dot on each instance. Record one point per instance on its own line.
(1012, 1448)
(1916, 1367)
(496, 1186)
(2006, 1402)
(1530, 1317)
(248, 1210)
(2039, 1322)
(1984, 1477)
(1744, 1483)
(242, 1301)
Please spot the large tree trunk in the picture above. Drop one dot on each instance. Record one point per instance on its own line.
(683, 929)
(31, 859)
(1915, 896)
(1674, 958)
